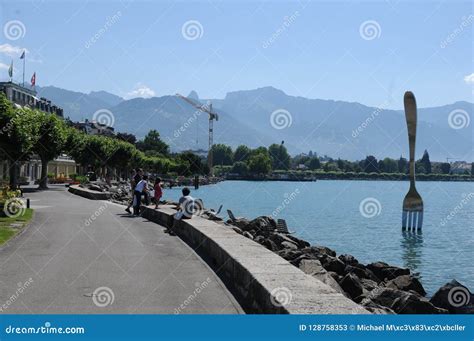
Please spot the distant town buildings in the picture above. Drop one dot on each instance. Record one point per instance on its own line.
(94, 128)
(461, 167)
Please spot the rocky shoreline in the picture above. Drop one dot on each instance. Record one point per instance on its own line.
(379, 287)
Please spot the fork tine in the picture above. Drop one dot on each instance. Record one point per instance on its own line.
(420, 220)
(410, 220)
(404, 220)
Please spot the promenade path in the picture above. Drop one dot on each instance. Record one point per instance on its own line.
(84, 256)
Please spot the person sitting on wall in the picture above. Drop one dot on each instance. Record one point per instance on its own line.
(186, 208)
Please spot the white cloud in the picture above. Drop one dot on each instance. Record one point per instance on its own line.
(469, 79)
(12, 51)
(141, 90)
(4, 66)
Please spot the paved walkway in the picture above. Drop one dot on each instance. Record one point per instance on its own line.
(83, 256)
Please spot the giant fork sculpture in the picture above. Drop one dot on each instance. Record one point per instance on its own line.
(412, 216)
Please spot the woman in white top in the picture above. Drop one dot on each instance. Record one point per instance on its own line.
(140, 188)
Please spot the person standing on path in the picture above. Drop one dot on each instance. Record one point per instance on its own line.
(158, 192)
(140, 189)
(132, 186)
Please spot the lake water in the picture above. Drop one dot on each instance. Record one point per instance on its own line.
(363, 218)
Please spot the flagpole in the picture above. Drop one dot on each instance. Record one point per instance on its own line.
(24, 58)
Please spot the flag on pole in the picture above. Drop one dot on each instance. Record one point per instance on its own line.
(33, 79)
(22, 55)
(10, 70)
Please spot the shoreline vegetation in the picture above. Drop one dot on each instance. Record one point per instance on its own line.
(314, 176)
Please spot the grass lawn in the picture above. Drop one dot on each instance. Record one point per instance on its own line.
(10, 226)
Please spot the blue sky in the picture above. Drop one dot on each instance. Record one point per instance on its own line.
(311, 49)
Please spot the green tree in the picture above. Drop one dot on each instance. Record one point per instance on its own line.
(314, 163)
(330, 167)
(242, 153)
(240, 168)
(279, 156)
(196, 165)
(260, 163)
(222, 155)
(370, 164)
(50, 141)
(402, 165)
(152, 142)
(445, 168)
(389, 165)
(17, 136)
(425, 161)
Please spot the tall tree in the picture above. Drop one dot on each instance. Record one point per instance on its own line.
(314, 163)
(425, 161)
(260, 163)
(153, 142)
(50, 141)
(370, 164)
(17, 136)
(402, 165)
(280, 157)
(222, 155)
(242, 153)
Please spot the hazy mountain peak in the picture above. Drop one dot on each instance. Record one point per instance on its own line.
(193, 95)
(106, 97)
(267, 92)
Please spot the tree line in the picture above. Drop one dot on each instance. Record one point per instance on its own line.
(246, 161)
(25, 132)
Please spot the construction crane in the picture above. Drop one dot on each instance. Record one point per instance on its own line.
(212, 116)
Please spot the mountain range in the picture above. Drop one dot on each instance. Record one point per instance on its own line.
(267, 115)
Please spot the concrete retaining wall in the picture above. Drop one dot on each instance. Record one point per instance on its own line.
(89, 194)
(253, 273)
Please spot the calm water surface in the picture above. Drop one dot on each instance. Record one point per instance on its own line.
(330, 213)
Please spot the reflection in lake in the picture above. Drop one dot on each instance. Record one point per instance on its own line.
(412, 247)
